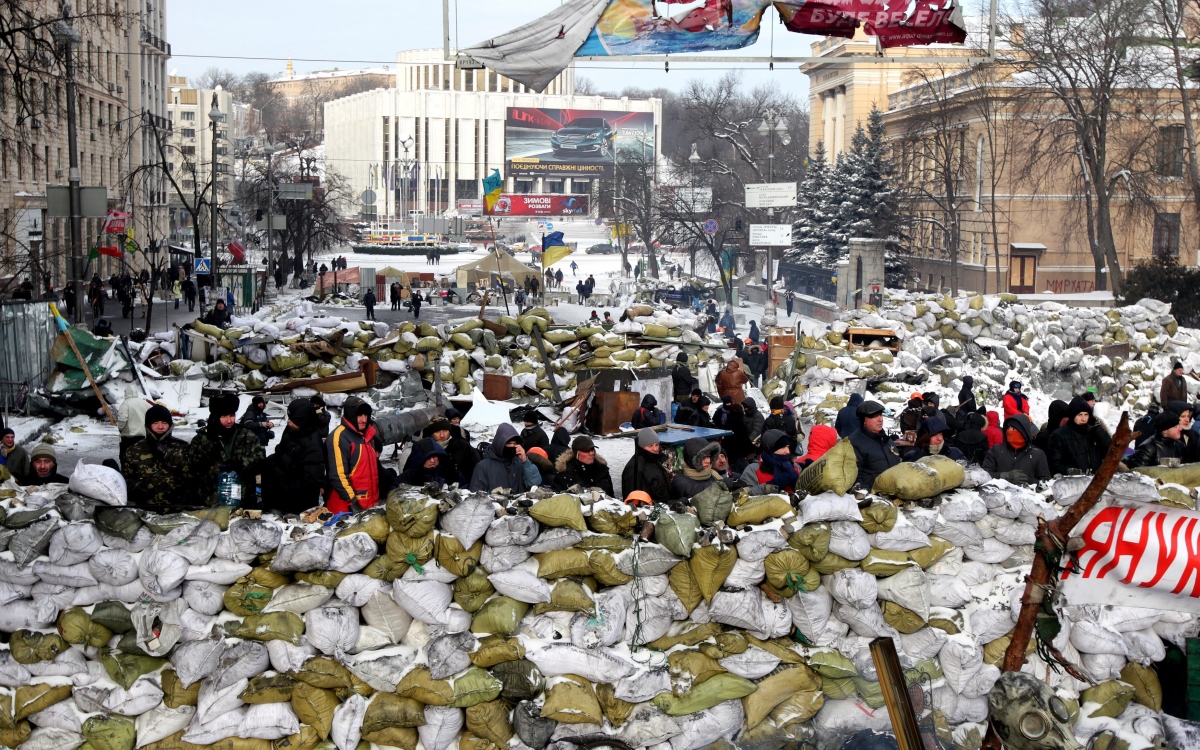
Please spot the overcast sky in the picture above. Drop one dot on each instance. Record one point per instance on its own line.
(361, 33)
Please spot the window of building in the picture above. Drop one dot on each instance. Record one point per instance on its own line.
(554, 186)
(1170, 151)
(187, 132)
(524, 187)
(189, 184)
(187, 116)
(979, 174)
(1166, 234)
(187, 150)
(46, 164)
(581, 187)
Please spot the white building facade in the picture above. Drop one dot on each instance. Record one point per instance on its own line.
(428, 143)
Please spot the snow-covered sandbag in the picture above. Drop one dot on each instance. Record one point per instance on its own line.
(989, 624)
(356, 589)
(512, 530)
(922, 644)
(114, 567)
(269, 721)
(596, 664)
(98, 482)
(963, 506)
(1091, 637)
(904, 536)
(195, 660)
(298, 598)
(847, 539)
(469, 520)
(304, 556)
(442, 727)
(909, 588)
(829, 506)
(143, 695)
(332, 629)
(854, 587)
(992, 551)
(521, 584)
(353, 552)
(161, 722)
(347, 723)
(161, 571)
(223, 572)
(948, 591)
(74, 543)
(961, 660)
(195, 543)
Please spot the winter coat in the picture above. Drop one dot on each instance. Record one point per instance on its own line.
(559, 444)
(1015, 403)
(462, 453)
(786, 422)
(876, 453)
(910, 418)
(1173, 388)
(237, 450)
(930, 427)
(255, 419)
(131, 416)
(296, 474)
(995, 436)
(1056, 415)
(756, 362)
(535, 437)
(966, 398)
(353, 462)
(737, 446)
(415, 472)
(571, 471)
(847, 422)
(1078, 449)
(754, 420)
(17, 461)
(156, 471)
(218, 317)
(683, 382)
(821, 439)
(369, 300)
(645, 472)
(695, 450)
(692, 414)
(495, 471)
(730, 382)
(647, 415)
(1030, 459)
(973, 444)
(1151, 452)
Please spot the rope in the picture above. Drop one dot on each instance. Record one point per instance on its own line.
(411, 559)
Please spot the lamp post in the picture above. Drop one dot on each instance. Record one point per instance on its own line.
(693, 160)
(66, 35)
(215, 116)
(773, 122)
(269, 150)
(405, 165)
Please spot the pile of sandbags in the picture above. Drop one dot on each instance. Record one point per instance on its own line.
(519, 621)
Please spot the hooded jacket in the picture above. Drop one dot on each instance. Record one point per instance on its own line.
(535, 437)
(1015, 403)
(995, 436)
(971, 440)
(1077, 448)
(255, 419)
(692, 414)
(754, 420)
(647, 415)
(876, 453)
(821, 438)
(297, 474)
(571, 471)
(1031, 460)
(930, 427)
(693, 480)
(847, 422)
(495, 470)
(754, 334)
(756, 361)
(645, 472)
(682, 380)
(353, 461)
(415, 472)
(966, 398)
(559, 444)
(156, 469)
(1055, 414)
(132, 414)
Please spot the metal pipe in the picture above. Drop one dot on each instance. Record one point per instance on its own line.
(406, 423)
(73, 180)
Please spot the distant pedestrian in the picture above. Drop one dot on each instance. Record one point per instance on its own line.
(177, 292)
(416, 304)
(369, 300)
(549, 278)
(574, 267)
(580, 288)
(189, 293)
(558, 277)
(789, 297)
(394, 293)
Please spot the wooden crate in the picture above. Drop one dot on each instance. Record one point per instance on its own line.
(781, 343)
(497, 387)
(610, 409)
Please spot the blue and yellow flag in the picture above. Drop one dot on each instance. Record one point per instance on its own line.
(492, 186)
(554, 249)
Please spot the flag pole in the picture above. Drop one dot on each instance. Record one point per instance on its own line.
(499, 270)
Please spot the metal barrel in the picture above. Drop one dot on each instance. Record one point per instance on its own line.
(406, 424)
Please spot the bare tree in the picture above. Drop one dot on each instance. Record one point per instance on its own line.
(1179, 30)
(213, 77)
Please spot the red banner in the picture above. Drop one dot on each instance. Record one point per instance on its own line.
(114, 223)
(541, 205)
(237, 250)
(1137, 555)
(896, 24)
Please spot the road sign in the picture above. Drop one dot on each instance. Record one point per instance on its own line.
(549, 226)
(369, 198)
(93, 201)
(202, 266)
(770, 235)
(711, 226)
(696, 200)
(771, 195)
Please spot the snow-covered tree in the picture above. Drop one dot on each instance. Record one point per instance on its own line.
(815, 228)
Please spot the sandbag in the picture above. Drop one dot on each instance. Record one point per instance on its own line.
(835, 472)
(99, 483)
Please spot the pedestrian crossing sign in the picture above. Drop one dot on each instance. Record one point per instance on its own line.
(203, 266)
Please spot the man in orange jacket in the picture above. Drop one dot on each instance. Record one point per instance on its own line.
(353, 452)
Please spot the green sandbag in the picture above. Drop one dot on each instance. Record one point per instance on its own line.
(77, 626)
(879, 516)
(559, 510)
(112, 615)
(713, 504)
(836, 471)
(124, 669)
(561, 336)
(921, 480)
(812, 541)
(716, 689)
(272, 626)
(755, 510)
(475, 686)
(413, 516)
(291, 360)
(429, 344)
(110, 733)
(1187, 475)
(528, 322)
(29, 647)
(511, 324)
(499, 616)
(831, 664)
(654, 330)
(1113, 696)
(677, 532)
(462, 341)
(1147, 690)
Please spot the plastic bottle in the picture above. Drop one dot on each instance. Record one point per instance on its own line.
(229, 489)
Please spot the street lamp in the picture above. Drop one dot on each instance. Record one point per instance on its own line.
(269, 150)
(215, 116)
(65, 34)
(773, 123)
(405, 165)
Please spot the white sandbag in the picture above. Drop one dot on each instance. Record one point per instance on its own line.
(553, 538)
(269, 721)
(1144, 647)
(511, 530)
(10, 592)
(67, 664)
(195, 660)
(227, 549)
(596, 665)
(501, 558)
(974, 476)
(127, 593)
(381, 611)
(810, 611)
(442, 727)
(1012, 532)
(426, 601)
(384, 668)
(23, 614)
(606, 625)
(847, 539)
(646, 726)
(195, 543)
(909, 588)
(739, 609)
(52, 738)
(963, 506)
(866, 622)
(356, 589)
(777, 617)
(74, 576)
(853, 587)
(204, 597)
(1066, 490)
(221, 726)
(430, 571)
(12, 673)
(922, 644)
(752, 663)
(98, 482)
(991, 551)
(162, 722)
(989, 624)
(332, 629)
(948, 591)
(158, 625)
(33, 541)
(369, 639)
(521, 584)
(353, 552)
(642, 685)
(961, 659)
(298, 598)
(255, 536)
(224, 572)
(652, 560)
(1101, 667)
(1126, 619)
(1091, 637)
(973, 572)
(449, 654)
(469, 520)
(196, 625)
(287, 657)
(62, 715)
(958, 533)
(304, 556)
(347, 722)
(214, 702)
(114, 567)
(74, 543)
(143, 695)
(756, 545)
(238, 663)
(20, 575)
(746, 574)
(52, 598)
(161, 571)
(829, 506)
(905, 536)
(839, 718)
(650, 617)
(702, 728)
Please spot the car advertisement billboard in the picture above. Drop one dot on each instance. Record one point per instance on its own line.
(575, 142)
(541, 205)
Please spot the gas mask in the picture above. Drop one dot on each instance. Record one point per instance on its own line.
(1028, 715)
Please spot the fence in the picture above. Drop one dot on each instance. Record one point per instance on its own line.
(809, 280)
(27, 332)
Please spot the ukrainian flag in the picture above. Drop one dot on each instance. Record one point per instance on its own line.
(554, 249)
(492, 185)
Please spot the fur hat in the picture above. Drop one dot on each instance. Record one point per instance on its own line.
(223, 404)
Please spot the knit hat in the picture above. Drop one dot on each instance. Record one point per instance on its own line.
(7, 431)
(681, 358)
(452, 413)
(931, 398)
(773, 440)
(869, 409)
(538, 452)
(258, 401)
(43, 450)
(437, 425)
(697, 392)
(1165, 421)
(1078, 405)
(158, 413)
(1177, 366)
(532, 416)
(639, 497)
(583, 444)
(647, 437)
(727, 399)
(915, 403)
(222, 404)
(1014, 385)
(777, 402)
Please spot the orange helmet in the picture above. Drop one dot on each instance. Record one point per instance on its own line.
(638, 497)
(539, 451)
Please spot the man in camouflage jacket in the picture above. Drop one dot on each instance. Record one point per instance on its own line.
(156, 466)
(224, 443)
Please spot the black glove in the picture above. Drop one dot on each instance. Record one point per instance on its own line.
(1016, 476)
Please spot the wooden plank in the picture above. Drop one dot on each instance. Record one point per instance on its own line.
(537, 339)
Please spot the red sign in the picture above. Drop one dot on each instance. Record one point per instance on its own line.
(237, 250)
(895, 23)
(541, 205)
(114, 223)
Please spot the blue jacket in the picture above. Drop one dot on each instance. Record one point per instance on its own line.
(494, 470)
(847, 421)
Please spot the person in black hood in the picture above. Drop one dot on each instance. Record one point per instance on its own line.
(455, 417)
(971, 440)
(429, 463)
(533, 436)
(1017, 459)
(784, 420)
(933, 439)
(933, 407)
(256, 420)
(966, 397)
(323, 416)
(648, 414)
(1056, 416)
(757, 361)
(463, 457)
(1144, 427)
(754, 420)
(504, 464)
(224, 445)
(295, 475)
(873, 448)
(645, 471)
(697, 474)
(694, 411)
(1165, 444)
(847, 421)
(1077, 447)
(682, 379)
(560, 443)
(582, 466)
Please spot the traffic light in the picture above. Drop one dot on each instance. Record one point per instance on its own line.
(258, 215)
